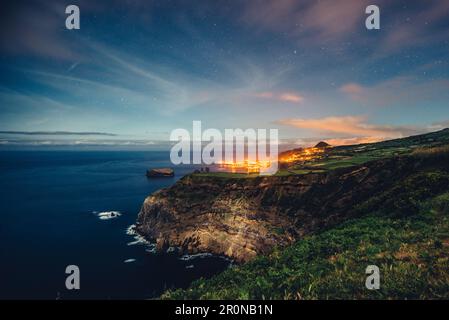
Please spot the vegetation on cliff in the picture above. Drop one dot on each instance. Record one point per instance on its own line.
(410, 247)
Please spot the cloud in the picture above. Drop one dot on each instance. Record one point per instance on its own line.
(322, 20)
(34, 28)
(398, 90)
(439, 125)
(340, 131)
(285, 96)
(292, 143)
(291, 97)
(351, 126)
(131, 83)
(264, 95)
(352, 88)
(58, 133)
(353, 141)
(85, 144)
(418, 30)
(37, 27)
(329, 23)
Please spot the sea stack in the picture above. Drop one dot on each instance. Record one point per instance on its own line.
(160, 173)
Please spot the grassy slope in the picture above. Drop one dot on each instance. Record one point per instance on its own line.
(349, 156)
(412, 254)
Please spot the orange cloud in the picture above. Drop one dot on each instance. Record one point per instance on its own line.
(291, 97)
(414, 34)
(352, 88)
(285, 96)
(352, 126)
(397, 91)
(325, 20)
(264, 95)
(353, 141)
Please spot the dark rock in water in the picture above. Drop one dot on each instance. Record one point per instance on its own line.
(161, 172)
(322, 144)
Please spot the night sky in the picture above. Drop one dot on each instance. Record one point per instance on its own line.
(136, 70)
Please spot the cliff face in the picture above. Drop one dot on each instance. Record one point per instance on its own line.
(241, 218)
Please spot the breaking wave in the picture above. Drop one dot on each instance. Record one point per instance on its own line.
(138, 239)
(106, 215)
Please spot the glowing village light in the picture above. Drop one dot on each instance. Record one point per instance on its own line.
(307, 154)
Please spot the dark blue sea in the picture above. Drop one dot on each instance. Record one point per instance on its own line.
(49, 208)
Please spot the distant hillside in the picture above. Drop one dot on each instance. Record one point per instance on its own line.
(355, 155)
(427, 139)
(322, 144)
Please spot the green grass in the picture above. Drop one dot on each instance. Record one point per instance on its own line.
(406, 197)
(290, 172)
(412, 255)
(411, 249)
(343, 157)
(344, 162)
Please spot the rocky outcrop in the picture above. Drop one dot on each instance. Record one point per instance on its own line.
(241, 218)
(322, 144)
(161, 172)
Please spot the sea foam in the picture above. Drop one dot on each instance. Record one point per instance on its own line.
(129, 260)
(106, 215)
(138, 239)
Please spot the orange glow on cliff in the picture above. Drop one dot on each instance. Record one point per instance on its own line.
(307, 154)
(246, 166)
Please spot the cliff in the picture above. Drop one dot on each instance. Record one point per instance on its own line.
(244, 217)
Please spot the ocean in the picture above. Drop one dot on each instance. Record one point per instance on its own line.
(50, 201)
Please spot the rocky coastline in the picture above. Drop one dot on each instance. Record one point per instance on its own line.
(242, 217)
